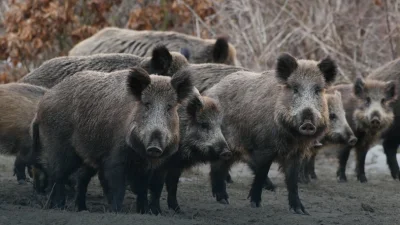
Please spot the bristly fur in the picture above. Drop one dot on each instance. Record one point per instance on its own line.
(141, 43)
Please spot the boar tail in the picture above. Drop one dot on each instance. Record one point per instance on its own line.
(35, 151)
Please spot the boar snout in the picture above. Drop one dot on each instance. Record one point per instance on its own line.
(225, 154)
(155, 147)
(353, 141)
(375, 122)
(154, 151)
(307, 128)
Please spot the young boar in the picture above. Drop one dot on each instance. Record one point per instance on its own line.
(117, 40)
(124, 124)
(201, 141)
(367, 105)
(391, 138)
(55, 70)
(339, 133)
(272, 118)
(18, 104)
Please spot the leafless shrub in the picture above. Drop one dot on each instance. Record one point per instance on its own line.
(353, 32)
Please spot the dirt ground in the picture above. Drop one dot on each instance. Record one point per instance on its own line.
(328, 202)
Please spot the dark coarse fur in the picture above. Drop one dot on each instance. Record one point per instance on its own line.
(117, 40)
(18, 104)
(201, 141)
(367, 105)
(339, 134)
(294, 98)
(391, 139)
(206, 75)
(123, 124)
(55, 70)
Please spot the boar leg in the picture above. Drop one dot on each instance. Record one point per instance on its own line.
(261, 173)
(268, 185)
(155, 187)
(104, 185)
(390, 148)
(64, 162)
(229, 179)
(361, 154)
(291, 178)
(303, 172)
(19, 170)
(115, 178)
(171, 183)
(343, 157)
(218, 173)
(85, 174)
(139, 185)
(311, 166)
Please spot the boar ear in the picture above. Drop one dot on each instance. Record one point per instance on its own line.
(221, 50)
(391, 90)
(285, 66)
(138, 80)
(185, 52)
(329, 69)
(194, 105)
(182, 83)
(359, 87)
(161, 60)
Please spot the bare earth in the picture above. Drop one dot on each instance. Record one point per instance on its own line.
(328, 202)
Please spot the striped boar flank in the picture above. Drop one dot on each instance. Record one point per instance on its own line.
(141, 43)
(55, 70)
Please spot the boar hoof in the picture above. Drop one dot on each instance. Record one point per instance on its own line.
(223, 201)
(221, 197)
(155, 210)
(362, 178)
(22, 182)
(313, 176)
(255, 204)
(229, 179)
(296, 206)
(342, 178)
(270, 186)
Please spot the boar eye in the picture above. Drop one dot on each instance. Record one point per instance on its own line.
(169, 107)
(147, 105)
(295, 90)
(205, 125)
(318, 90)
(368, 101)
(383, 101)
(332, 116)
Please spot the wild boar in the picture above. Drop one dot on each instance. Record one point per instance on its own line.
(18, 105)
(55, 70)
(367, 105)
(339, 133)
(270, 118)
(391, 138)
(140, 43)
(124, 124)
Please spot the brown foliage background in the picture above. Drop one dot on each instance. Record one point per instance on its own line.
(359, 34)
